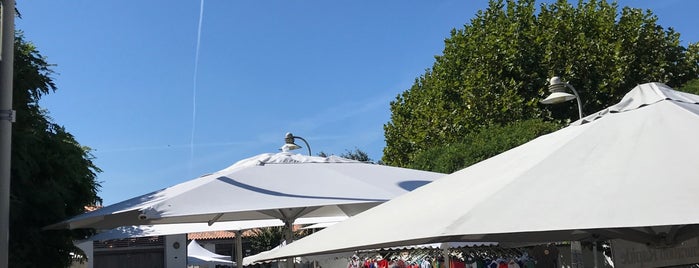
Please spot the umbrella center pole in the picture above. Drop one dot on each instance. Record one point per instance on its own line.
(239, 248)
(289, 225)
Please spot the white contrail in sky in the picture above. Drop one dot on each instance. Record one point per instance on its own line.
(162, 147)
(194, 87)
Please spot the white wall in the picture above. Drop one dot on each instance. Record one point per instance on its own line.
(176, 251)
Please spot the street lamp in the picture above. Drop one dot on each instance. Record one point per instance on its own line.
(559, 94)
(290, 144)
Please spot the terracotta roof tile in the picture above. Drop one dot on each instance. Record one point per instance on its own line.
(216, 235)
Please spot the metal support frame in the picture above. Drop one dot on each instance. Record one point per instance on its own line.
(676, 234)
(577, 98)
(288, 217)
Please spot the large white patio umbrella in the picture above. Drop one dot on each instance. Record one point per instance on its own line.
(630, 171)
(281, 186)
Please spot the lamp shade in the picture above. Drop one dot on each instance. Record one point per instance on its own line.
(289, 146)
(558, 97)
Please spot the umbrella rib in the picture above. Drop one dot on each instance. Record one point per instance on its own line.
(686, 232)
(293, 216)
(214, 219)
(628, 234)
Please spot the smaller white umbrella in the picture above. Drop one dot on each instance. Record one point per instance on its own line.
(198, 255)
(260, 256)
(281, 186)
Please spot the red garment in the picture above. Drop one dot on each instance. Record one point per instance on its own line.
(456, 264)
(383, 263)
(502, 265)
(401, 264)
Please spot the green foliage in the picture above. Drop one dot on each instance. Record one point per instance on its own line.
(267, 238)
(480, 145)
(264, 239)
(691, 87)
(357, 154)
(495, 70)
(53, 176)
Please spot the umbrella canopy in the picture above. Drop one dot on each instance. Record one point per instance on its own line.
(630, 171)
(281, 186)
(198, 255)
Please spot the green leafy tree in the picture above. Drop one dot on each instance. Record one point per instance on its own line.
(52, 175)
(357, 154)
(263, 239)
(494, 70)
(691, 87)
(480, 145)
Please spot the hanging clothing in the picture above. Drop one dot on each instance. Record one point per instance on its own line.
(493, 264)
(454, 263)
(513, 264)
(545, 256)
(354, 263)
(382, 263)
(401, 264)
(425, 264)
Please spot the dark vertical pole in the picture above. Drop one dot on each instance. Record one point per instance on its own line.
(239, 248)
(289, 238)
(6, 115)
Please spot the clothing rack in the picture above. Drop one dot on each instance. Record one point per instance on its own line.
(465, 257)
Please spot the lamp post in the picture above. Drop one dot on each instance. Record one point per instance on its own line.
(6, 118)
(290, 144)
(559, 94)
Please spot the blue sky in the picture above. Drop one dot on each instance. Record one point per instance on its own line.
(323, 70)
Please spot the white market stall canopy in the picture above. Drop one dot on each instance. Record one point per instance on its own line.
(198, 255)
(281, 186)
(630, 171)
(262, 257)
